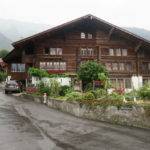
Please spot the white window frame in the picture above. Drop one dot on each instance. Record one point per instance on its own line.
(90, 36)
(90, 51)
(111, 52)
(18, 67)
(108, 66)
(118, 52)
(124, 52)
(122, 66)
(83, 35)
(115, 66)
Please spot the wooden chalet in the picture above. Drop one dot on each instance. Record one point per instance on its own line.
(63, 48)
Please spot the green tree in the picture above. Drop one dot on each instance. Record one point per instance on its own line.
(3, 76)
(3, 53)
(90, 71)
(37, 72)
(103, 77)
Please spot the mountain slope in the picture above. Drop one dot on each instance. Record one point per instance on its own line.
(16, 30)
(5, 43)
(139, 31)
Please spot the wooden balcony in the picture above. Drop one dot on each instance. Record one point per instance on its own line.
(49, 56)
(88, 57)
(145, 72)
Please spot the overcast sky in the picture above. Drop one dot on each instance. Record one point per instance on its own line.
(119, 12)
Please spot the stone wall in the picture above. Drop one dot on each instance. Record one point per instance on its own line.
(136, 116)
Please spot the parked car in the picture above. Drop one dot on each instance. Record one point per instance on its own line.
(12, 86)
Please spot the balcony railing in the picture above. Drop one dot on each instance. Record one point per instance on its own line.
(48, 56)
(145, 71)
(87, 56)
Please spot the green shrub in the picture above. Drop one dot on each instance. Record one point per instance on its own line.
(64, 90)
(3, 76)
(51, 89)
(115, 96)
(89, 96)
(74, 96)
(144, 92)
(88, 87)
(55, 88)
(111, 102)
(37, 72)
(100, 93)
(43, 88)
(130, 96)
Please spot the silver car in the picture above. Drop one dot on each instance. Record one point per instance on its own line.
(11, 86)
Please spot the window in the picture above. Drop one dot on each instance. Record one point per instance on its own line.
(124, 52)
(118, 52)
(87, 51)
(13, 67)
(49, 65)
(56, 66)
(144, 66)
(121, 67)
(108, 66)
(148, 66)
(53, 65)
(90, 51)
(114, 66)
(121, 83)
(18, 67)
(83, 51)
(42, 65)
(111, 52)
(62, 65)
(55, 51)
(90, 36)
(59, 51)
(128, 67)
(52, 51)
(128, 83)
(46, 50)
(83, 35)
(113, 83)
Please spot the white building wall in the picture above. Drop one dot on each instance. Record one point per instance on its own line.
(137, 82)
(62, 81)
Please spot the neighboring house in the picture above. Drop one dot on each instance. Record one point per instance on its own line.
(2, 65)
(63, 48)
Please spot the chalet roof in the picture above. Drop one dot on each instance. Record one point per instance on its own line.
(130, 35)
(59, 27)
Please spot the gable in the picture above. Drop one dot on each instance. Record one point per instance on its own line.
(87, 24)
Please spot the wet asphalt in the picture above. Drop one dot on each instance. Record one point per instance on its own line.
(26, 125)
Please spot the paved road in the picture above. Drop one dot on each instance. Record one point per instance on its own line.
(26, 125)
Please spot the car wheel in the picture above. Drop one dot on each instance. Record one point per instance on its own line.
(6, 92)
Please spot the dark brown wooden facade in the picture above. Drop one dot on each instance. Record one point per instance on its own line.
(86, 38)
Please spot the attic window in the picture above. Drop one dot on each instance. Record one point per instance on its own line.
(46, 50)
(90, 36)
(82, 35)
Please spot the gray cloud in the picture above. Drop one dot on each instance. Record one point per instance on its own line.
(53, 12)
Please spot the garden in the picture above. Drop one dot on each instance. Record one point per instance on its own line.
(91, 95)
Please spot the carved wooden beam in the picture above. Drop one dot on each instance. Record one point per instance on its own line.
(138, 46)
(111, 32)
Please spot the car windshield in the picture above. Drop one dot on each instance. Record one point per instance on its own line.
(11, 82)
